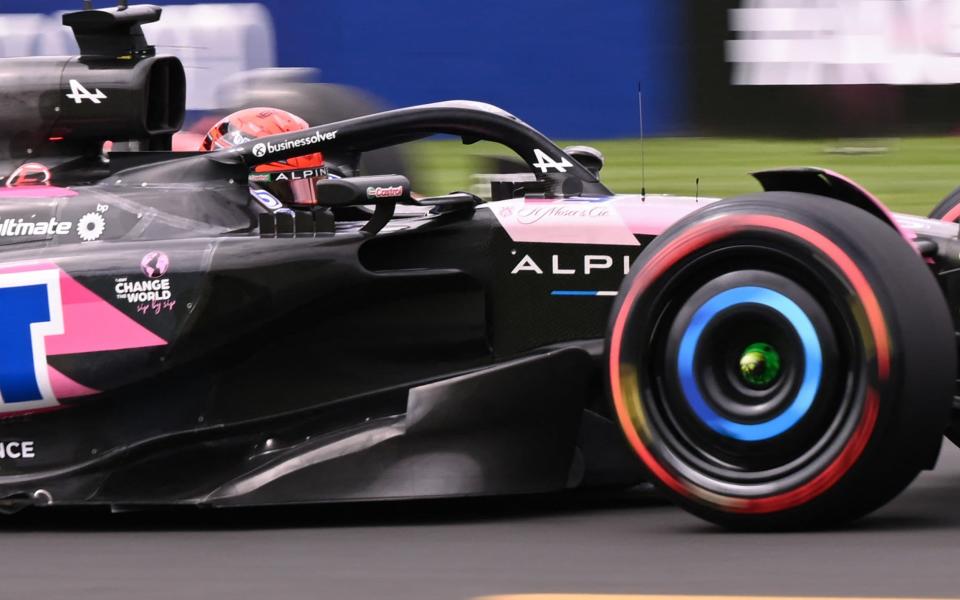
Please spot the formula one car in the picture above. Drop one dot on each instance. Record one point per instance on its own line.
(783, 359)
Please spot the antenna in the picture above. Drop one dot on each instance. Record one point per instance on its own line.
(87, 4)
(643, 170)
(122, 5)
(697, 198)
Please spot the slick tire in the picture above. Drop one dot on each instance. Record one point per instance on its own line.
(781, 361)
(948, 209)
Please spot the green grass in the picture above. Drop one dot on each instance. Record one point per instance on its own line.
(911, 175)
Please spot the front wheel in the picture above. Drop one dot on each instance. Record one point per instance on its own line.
(781, 360)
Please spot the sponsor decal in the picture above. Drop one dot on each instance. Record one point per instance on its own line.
(532, 214)
(385, 192)
(90, 226)
(15, 450)
(570, 221)
(29, 174)
(156, 307)
(21, 228)
(298, 175)
(154, 294)
(142, 291)
(78, 93)
(589, 265)
(154, 264)
(263, 148)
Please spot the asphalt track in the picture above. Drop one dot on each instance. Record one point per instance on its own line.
(626, 543)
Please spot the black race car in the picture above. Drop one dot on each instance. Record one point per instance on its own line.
(780, 359)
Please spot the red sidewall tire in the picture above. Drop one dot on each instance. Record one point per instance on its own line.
(866, 439)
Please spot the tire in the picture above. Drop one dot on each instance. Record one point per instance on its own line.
(855, 338)
(948, 209)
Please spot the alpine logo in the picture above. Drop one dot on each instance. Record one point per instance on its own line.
(545, 163)
(590, 264)
(301, 174)
(263, 148)
(78, 93)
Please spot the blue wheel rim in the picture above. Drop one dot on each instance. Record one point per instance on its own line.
(810, 380)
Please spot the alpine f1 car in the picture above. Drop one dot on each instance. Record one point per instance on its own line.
(783, 359)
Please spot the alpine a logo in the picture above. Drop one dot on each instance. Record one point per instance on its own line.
(263, 148)
(79, 93)
(545, 163)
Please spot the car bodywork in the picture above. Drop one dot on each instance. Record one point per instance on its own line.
(172, 339)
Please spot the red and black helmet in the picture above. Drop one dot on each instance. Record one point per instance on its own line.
(292, 181)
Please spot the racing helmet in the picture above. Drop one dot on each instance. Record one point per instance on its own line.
(291, 181)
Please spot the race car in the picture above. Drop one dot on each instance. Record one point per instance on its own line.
(779, 360)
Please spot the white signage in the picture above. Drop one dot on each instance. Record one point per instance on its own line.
(830, 42)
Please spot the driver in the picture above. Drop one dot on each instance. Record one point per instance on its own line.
(281, 183)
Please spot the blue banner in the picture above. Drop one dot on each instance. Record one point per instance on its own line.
(570, 68)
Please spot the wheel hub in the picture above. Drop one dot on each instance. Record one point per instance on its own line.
(759, 365)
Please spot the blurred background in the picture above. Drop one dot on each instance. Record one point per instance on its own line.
(866, 87)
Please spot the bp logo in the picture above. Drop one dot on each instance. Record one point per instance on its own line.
(90, 226)
(259, 150)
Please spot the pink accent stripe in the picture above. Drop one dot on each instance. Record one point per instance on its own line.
(91, 324)
(35, 191)
(654, 215)
(27, 266)
(64, 387)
